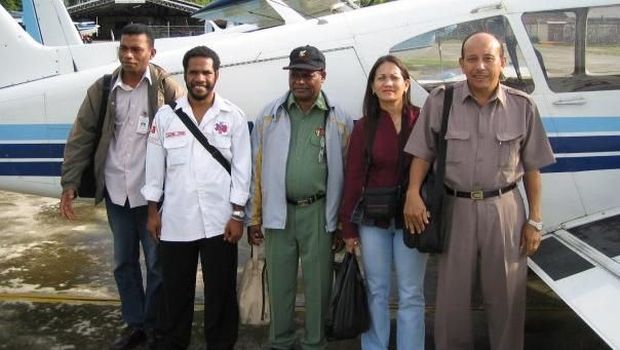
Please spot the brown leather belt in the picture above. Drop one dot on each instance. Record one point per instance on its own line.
(305, 201)
(477, 195)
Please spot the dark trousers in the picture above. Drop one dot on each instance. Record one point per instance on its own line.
(179, 261)
(138, 304)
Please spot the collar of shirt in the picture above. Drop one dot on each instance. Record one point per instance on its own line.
(499, 94)
(219, 105)
(119, 81)
(320, 103)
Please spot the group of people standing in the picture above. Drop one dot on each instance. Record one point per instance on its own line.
(296, 181)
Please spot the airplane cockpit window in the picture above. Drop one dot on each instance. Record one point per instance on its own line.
(578, 49)
(433, 57)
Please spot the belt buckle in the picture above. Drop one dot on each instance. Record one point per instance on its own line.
(476, 195)
(303, 202)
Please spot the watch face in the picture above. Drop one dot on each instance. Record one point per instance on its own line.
(537, 225)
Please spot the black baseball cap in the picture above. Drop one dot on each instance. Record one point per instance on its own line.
(306, 58)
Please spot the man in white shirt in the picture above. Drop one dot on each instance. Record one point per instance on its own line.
(202, 213)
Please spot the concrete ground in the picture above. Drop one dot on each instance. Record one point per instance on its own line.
(57, 290)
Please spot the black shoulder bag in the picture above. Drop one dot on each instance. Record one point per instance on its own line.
(431, 240)
(88, 184)
(382, 203)
(215, 153)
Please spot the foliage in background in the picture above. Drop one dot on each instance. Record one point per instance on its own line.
(364, 3)
(11, 5)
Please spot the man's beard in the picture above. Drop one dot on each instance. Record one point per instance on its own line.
(196, 97)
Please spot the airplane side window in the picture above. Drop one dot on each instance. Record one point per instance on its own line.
(433, 57)
(603, 43)
(578, 50)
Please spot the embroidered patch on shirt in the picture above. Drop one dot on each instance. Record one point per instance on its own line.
(221, 127)
(319, 132)
(175, 133)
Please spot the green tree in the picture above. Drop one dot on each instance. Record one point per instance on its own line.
(11, 5)
(364, 3)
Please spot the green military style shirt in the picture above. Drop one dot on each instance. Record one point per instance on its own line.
(306, 166)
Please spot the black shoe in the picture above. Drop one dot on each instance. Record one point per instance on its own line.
(153, 340)
(131, 338)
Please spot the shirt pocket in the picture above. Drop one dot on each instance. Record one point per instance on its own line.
(508, 143)
(176, 150)
(318, 146)
(457, 146)
(221, 142)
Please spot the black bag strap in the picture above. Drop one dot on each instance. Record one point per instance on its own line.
(215, 153)
(105, 94)
(443, 144)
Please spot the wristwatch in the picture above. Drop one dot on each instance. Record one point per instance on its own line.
(538, 225)
(238, 215)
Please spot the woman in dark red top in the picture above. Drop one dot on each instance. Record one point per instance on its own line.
(389, 117)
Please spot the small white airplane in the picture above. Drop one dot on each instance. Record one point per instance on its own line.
(565, 53)
(87, 27)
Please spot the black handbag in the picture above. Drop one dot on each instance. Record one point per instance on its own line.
(88, 183)
(349, 315)
(380, 203)
(432, 239)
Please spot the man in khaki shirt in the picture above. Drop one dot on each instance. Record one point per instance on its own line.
(495, 138)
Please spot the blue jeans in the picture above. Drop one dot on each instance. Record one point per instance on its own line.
(138, 307)
(380, 248)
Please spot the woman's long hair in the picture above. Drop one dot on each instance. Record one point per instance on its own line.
(371, 108)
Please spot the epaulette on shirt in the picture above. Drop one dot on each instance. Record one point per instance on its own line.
(515, 92)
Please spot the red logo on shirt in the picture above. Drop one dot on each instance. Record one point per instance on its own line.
(221, 127)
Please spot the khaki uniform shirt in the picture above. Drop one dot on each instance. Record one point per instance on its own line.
(489, 147)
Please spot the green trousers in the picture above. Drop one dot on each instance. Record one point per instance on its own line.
(303, 238)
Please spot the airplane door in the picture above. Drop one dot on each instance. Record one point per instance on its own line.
(578, 54)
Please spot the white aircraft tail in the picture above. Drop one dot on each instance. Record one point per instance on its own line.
(24, 59)
(49, 23)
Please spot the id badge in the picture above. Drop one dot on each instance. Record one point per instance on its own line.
(143, 124)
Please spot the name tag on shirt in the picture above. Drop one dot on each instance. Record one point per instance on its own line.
(175, 133)
(143, 124)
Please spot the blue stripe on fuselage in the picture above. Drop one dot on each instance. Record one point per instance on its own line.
(581, 124)
(561, 144)
(584, 144)
(32, 150)
(44, 132)
(30, 168)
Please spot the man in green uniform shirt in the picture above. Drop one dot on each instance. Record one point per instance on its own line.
(298, 150)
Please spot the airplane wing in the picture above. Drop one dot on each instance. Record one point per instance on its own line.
(269, 13)
(317, 8)
(581, 263)
(257, 12)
